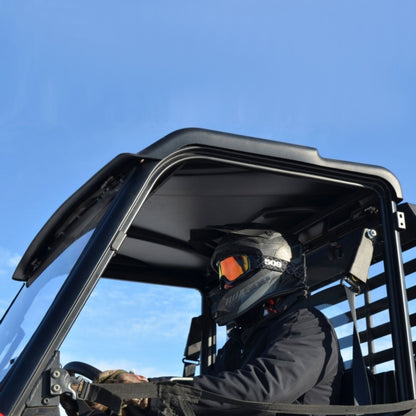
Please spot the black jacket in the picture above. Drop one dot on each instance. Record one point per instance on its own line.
(292, 357)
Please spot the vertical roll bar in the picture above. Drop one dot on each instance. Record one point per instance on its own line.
(399, 313)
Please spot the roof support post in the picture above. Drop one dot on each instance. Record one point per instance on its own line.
(399, 313)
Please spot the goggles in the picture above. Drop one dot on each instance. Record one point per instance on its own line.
(233, 267)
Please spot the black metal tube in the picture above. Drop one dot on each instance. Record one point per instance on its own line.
(209, 336)
(399, 313)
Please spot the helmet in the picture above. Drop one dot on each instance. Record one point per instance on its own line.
(254, 266)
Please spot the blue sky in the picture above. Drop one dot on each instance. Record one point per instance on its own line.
(83, 81)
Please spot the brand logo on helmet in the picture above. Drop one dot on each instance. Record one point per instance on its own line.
(272, 262)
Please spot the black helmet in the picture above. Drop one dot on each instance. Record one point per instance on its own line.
(258, 265)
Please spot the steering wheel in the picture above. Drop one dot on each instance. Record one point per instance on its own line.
(83, 369)
(79, 407)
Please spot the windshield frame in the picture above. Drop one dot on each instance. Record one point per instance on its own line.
(42, 346)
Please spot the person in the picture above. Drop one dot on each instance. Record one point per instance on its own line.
(279, 347)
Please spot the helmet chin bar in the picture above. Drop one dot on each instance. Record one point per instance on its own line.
(229, 305)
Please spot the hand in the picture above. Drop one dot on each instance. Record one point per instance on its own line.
(121, 376)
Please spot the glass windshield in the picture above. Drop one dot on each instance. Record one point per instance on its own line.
(32, 303)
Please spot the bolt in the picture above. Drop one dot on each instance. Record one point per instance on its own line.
(56, 388)
(56, 374)
(371, 234)
(45, 401)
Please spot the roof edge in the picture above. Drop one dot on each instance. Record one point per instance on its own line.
(264, 147)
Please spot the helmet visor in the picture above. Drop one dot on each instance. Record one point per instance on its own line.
(233, 267)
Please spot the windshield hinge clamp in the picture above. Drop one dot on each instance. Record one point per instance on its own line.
(62, 383)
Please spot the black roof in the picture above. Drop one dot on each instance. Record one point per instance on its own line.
(212, 179)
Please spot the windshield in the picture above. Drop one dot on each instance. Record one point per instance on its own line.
(32, 303)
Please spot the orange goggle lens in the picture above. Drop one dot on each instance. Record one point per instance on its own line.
(231, 268)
